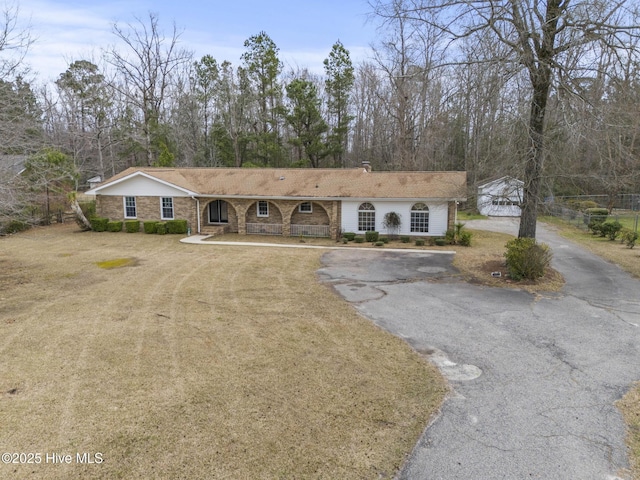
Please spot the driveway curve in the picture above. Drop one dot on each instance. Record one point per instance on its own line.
(534, 377)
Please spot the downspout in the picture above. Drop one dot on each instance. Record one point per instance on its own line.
(197, 212)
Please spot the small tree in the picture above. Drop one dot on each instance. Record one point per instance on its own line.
(49, 175)
(392, 222)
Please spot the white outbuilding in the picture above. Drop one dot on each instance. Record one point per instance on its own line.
(500, 197)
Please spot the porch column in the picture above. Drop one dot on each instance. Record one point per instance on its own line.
(333, 221)
(286, 210)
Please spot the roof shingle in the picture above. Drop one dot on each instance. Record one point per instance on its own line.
(307, 182)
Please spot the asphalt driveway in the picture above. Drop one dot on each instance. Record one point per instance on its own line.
(534, 377)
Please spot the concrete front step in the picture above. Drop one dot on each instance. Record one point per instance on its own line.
(214, 229)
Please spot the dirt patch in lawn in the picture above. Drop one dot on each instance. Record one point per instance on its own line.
(216, 362)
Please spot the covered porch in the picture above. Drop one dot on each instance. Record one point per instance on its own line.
(269, 217)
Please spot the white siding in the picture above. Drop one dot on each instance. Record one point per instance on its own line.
(141, 186)
(438, 214)
(499, 190)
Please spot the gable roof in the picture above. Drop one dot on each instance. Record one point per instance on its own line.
(505, 179)
(301, 182)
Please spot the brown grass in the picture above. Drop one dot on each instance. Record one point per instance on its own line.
(196, 362)
(486, 255)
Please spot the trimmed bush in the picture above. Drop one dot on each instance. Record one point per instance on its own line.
(405, 239)
(115, 226)
(383, 239)
(629, 237)
(593, 216)
(379, 244)
(177, 226)
(587, 204)
(358, 239)
(441, 242)
(419, 242)
(371, 236)
(132, 226)
(99, 224)
(344, 240)
(350, 236)
(610, 229)
(527, 259)
(150, 226)
(161, 228)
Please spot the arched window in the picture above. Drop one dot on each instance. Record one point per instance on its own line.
(420, 218)
(366, 218)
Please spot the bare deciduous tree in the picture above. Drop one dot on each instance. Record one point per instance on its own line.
(538, 35)
(147, 71)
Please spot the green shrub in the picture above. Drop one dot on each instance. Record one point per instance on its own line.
(384, 239)
(132, 226)
(177, 226)
(371, 236)
(150, 226)
(161, 228)
(527, 259)
(344, 240)
(441, 242)
(379, 244)
(465, 239)
(419, 242)
(629, 237)
(405, 239)
(450, 237)
(358, 239)
(596, 227)
(99, 224)
(350, 236)
(115, 226)
(88, 208)
(587, 204)
(593, 216)
(15, 226)
(610, 229)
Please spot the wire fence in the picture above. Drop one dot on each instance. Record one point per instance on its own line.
(623, 201)
(628, 219)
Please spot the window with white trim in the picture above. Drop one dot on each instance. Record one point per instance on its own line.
(130, 210)
(420, 218)
(366, 217)
(305, 207)
(166, 207)
(263, 208)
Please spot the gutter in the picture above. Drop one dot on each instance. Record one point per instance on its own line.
(197, 211)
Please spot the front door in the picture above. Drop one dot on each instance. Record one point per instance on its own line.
(218, 212)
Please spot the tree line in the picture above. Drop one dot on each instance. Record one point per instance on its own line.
(546, 91)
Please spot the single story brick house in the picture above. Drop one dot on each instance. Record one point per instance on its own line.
(500, 197)
(289, 202)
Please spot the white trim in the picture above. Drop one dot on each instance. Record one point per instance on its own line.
(135, 205)
(305, 211)
(97, 190)
(258, 209)
(173, 213)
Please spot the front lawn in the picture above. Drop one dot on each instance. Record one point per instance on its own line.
(195, 362)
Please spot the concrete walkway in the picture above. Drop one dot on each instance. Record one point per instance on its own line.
(202, 240)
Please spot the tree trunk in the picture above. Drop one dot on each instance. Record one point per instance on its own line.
(535, 158)
(82, 220)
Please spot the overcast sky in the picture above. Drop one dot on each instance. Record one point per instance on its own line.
(304, 30)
